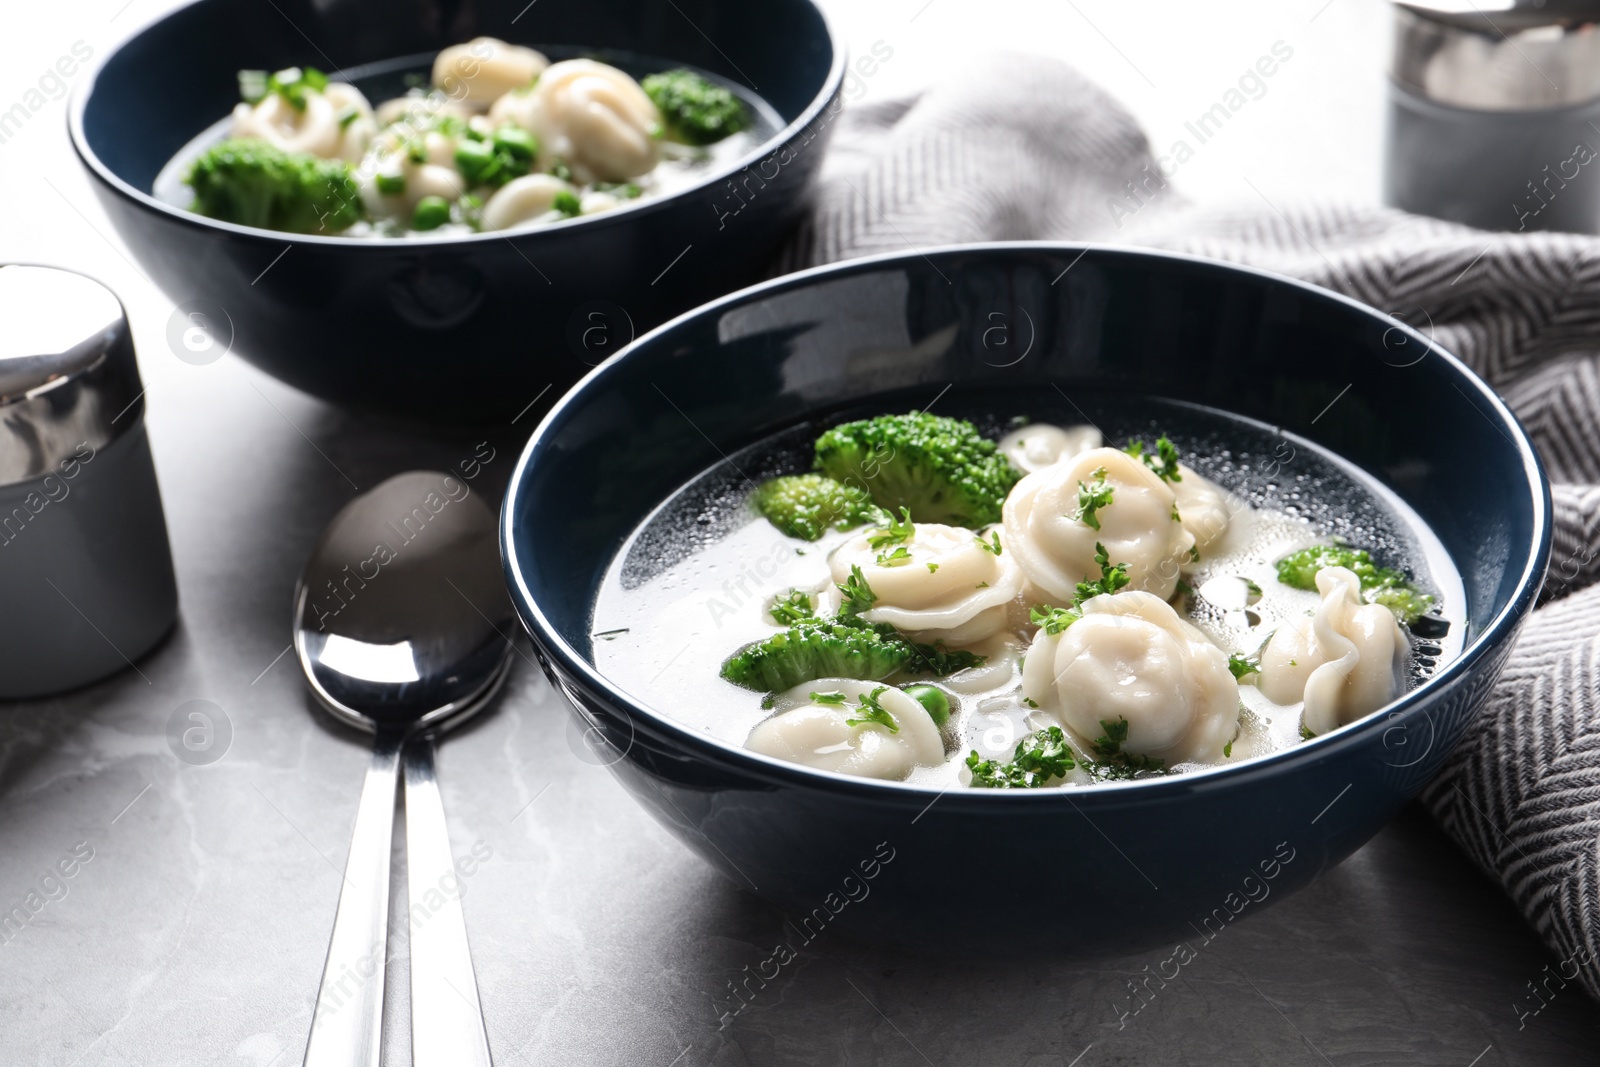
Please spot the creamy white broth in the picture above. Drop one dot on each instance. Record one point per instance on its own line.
(662, 632)
(679, 167)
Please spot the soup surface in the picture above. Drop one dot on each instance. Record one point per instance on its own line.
(697, 581)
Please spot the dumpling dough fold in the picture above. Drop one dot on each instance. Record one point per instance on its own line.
(1346, 661)
(820, 735)
(592, 116)
(1131, 657)
(1055, 546)
(948, 587)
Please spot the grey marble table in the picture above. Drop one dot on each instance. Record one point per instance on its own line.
(193, 928)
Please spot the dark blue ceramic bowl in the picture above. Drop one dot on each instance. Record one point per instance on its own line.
(1114, 866)
(454, 328)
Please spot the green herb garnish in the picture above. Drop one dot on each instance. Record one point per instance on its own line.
(1093, 497)
(874, 712)
(1039, 757)
(896, 530)
(1164, 461)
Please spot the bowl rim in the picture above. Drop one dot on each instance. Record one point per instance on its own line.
(827, 97)
(1328, 747)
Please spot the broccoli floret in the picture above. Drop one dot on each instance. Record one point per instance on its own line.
(804, 505)
(1379, 585)
(942, 469)
(817, 649)
(254, 184)
(695, 111)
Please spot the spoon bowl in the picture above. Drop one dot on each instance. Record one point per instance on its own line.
(401, 610)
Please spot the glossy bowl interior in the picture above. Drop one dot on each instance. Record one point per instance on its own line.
(874, 335)
(463, 328)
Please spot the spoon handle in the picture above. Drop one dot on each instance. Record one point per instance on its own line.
(446, 1019)
(347, 1028)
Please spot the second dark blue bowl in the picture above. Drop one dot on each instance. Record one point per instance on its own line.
(465, 329)
(1116, 866)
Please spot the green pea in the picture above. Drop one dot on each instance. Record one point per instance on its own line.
(933, 700)
(432, 212)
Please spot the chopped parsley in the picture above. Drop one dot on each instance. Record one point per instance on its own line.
(1112, 576)
(1054, 620)
(858, 595)
(937, 660)
(1164, 461)
(792, 607)
(933, 568)
(992, 545)
(874, 713)
(1306, 734)
(1112, 761)
(1039, 757)
(1242, 666)
(1093, 497)
(899, 557)
(895, 531)
(830, 696)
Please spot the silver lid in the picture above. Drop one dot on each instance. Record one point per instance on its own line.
(68, 377)
(1499, 55)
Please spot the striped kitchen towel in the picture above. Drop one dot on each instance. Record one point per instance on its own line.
(1022, 147)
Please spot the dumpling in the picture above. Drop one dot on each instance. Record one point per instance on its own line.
(944, 583)
(523, 200)
(336, 123)
(1041, 445)
(1131, 657)
(484, 69)
(819, 734)
(1203, 507)
(592, 116)
(420, 180)
(1345, 661)
(419, 112)
(1054, 538)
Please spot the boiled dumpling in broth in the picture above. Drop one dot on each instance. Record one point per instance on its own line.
(1053, 524)
(1203, 508)
(837, 728)
(942, 583)
(1345, 661)
(481, 71)
(335, 123)
(591, 116)
(527, 198)
(1130, 657)
(1042, 445)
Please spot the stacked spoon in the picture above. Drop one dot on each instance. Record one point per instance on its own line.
(402, 628)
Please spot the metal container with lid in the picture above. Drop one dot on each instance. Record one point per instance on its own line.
(86, 579)
(1494, 113)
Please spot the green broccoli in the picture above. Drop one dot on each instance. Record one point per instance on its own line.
(818, 649)
(694, 110)
(942, 469)
(804, 505)
(1379, 585)
(253, 183)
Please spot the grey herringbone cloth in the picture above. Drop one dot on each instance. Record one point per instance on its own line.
(1021, 147)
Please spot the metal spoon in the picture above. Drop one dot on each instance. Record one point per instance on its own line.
(398, 625)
